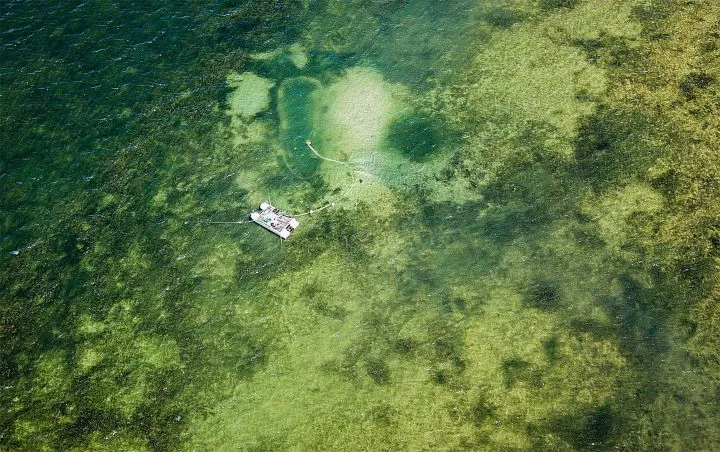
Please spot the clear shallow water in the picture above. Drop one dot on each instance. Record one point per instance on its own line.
(485, 279)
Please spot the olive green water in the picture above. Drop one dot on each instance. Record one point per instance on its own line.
(520, 249)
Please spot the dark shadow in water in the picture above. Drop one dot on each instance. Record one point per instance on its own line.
(542, 293)
(405, 346)
(447, 244)
(524, 202)
(614, 144)
(378, 371)
(549, 5)
(501, 17)
(481, 411)
(350, 232)
(611, 52)
(441, 347)
(591, 429)
(639, 314)
(415, 136)
(551, 347)
(696, 82)
(640, 326)
(517, 370)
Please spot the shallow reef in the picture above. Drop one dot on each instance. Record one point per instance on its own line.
(509, 238)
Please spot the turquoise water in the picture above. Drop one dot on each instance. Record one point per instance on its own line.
(501, 261)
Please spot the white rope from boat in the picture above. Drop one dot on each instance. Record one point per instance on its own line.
(309, 144)
(311, 211)
(353, 170)
(228, 222)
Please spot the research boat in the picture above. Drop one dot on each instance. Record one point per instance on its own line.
(274, 220)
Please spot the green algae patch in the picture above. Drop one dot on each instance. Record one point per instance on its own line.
(159, 353)
(88, 326)
(536, 78)
(52, 374)
(295, 53)
(398, 361)
(250, 96)
(89, 358)
(117, 440)
(529, 79)
(623, 215)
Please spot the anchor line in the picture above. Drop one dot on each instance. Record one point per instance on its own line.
(353, 170)
(309, 144)
(311, 211)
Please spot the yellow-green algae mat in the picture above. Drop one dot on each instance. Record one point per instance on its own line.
(479, 283)
(367, 358)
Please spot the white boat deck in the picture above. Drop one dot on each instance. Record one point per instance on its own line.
(275, 220)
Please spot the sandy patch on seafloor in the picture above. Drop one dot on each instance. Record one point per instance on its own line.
(295, 53)
(356, 111)
(250, 95)
(348, 122)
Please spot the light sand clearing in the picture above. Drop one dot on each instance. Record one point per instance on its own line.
(354, 114)
(358, 109)
(251, 94)
(296, 53)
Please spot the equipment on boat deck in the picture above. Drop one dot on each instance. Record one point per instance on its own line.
(275, 220)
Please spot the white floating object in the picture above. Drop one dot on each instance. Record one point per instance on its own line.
(274, 220)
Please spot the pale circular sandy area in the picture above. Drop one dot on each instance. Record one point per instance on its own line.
(356, 111)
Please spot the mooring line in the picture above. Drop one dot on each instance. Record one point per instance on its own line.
(309, 144)
(311, 211)
(227, 222)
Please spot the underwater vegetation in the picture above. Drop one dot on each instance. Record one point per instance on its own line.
(614, 144)
(503, 17)
(414, 135)
(542, 294)
(552, 4)
(518, 249)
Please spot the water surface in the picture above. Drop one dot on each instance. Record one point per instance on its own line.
(517, 252)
